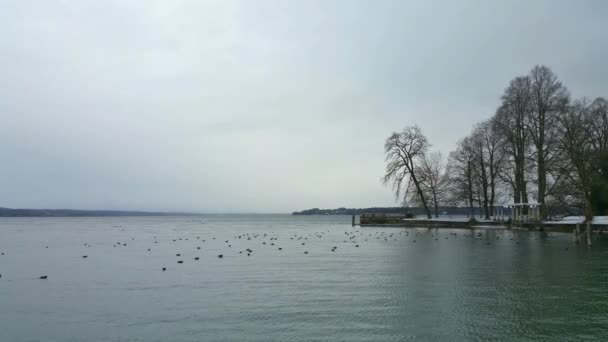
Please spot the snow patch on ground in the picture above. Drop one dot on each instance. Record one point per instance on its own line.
(579, 219)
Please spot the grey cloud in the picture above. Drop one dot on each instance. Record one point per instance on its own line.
(258, 105)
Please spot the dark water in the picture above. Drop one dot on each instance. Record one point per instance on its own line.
(448, 285)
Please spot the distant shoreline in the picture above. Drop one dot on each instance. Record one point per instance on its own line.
(10, 212)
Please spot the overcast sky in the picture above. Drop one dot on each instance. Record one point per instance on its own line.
(259, 106)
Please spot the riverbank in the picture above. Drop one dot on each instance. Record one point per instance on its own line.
(417, 223)
(451, 221)
(566, 225)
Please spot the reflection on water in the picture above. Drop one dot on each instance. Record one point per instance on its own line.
(399, 284)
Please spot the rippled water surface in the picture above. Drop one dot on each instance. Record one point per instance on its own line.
(398, 284)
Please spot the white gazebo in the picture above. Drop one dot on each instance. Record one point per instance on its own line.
(517, 212)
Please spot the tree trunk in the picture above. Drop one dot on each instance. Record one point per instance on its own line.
(493, 175)
(470, 184)
(421, 194)
(436, 204)
(517, 188)
(484, 184)
(520, 161)
(542, 186)
(524, 196)
(588, 207)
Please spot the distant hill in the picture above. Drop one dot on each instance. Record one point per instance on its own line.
(383, 210)
(8, 212)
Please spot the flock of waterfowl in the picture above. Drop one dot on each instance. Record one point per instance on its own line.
(354, 238)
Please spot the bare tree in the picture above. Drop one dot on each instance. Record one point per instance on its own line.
(495, 145)
(598, 125)
(549, 99)
(576, 142)
(433, 180)
(481, 169)
(493, 152)
(583, 139)
(485, 145)
(461, 171)
(535, 138)
(599, 140)
(566, 195)
(511, 124)
(404, 152)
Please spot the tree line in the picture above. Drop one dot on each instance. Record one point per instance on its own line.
(540, 146)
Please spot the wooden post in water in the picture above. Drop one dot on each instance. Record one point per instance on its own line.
(588, 234)
(576, 233)
(353, 220)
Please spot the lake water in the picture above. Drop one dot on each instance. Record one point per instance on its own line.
(399, 284)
